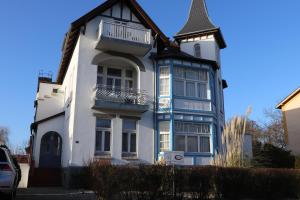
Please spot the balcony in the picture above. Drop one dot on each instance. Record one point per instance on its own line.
(107, 98)
(124, 39)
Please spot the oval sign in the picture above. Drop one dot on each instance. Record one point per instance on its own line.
(178, 157)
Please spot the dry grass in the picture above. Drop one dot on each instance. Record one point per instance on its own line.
(232, 150)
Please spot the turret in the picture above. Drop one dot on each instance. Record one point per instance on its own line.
(200, 37)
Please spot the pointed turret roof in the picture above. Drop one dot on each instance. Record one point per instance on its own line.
(199, 23)
(198, 19)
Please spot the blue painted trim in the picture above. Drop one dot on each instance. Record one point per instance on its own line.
(196, 111)
(191, 98)
(198, 154)
(172, 138)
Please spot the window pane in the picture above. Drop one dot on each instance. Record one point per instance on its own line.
(99, 80)
(128, 84)
(109, 83)
(103, 123)
(164, 87)
(107, 141)
(129, 73)
(190, 89)
(164, 72)
(179, 88)
(114, 72)
(204, 144)
(179, 72)
(100, 70)
(129, 124)
(164, 128)
(133, 143)
(118, 83)
(98, 141)
(202, 90)
(203, 75)
(192, 144)
(192, 74)
(197, 50)
(125, 142)
(180, 143)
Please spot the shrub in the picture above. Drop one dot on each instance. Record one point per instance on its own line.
(270, 156)
(192, 183)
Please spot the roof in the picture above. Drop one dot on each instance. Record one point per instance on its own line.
(198, 19)
(288, 98)
(199, 23)
(74, 31)
(35, 124)
(174, 52)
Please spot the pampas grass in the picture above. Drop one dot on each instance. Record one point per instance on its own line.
(231, 153)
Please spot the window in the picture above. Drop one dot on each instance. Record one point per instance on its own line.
(164, 134)
(103, 135)
(113, 79)
(100, 75)
(129, 137)
(192, 137)
(164, 79)
(197, 50)
(191, 83)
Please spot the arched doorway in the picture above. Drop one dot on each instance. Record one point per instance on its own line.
(50, 151)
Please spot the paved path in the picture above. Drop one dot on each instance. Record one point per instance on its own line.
(54, 194)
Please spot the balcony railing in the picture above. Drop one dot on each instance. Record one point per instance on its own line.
(121, 95)
(123, 32)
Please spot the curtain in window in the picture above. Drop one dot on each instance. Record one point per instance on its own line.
(202, 90)
(204, 144)
(179, 88)
(190, 89)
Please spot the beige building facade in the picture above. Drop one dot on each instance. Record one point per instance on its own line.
(290, 108)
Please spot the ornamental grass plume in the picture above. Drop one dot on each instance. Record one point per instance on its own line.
(231, 153)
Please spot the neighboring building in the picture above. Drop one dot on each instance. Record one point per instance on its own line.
(290, 108)
(126, 93)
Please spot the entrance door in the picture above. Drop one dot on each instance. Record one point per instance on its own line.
(50, 151)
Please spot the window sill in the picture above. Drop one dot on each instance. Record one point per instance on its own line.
(103, 155)
(129, 156)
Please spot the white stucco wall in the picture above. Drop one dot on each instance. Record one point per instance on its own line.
(55, 125)
(49, 103)
(209, 47)
(25, 172)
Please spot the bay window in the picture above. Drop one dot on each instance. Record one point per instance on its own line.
(191, 83)
(192, 137)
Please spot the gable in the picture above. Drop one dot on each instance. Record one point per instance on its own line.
(113, 8)
(121, 11)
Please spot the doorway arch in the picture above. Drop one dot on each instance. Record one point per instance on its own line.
(50, 150)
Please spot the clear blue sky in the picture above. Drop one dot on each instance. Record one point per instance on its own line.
(261, 63)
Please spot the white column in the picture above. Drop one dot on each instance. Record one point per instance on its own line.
(116, 136)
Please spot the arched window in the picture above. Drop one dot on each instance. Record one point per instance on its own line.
(197, 50)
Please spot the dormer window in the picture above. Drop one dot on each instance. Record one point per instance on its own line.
(197, 50)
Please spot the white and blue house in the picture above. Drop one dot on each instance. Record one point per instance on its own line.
(126, 93)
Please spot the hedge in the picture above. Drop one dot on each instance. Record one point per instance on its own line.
(192, 183)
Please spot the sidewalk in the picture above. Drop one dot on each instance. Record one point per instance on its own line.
(54, 194)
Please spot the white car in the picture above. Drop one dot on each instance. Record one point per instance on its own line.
(9, 174)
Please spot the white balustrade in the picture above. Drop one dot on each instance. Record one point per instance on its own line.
(123, 32)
